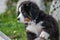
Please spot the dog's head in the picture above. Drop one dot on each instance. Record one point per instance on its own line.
(27, 11)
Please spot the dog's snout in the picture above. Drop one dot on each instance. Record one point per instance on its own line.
(18, 19)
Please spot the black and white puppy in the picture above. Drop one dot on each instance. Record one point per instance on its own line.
(38, 24)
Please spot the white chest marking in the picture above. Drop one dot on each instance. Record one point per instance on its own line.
(35, 28)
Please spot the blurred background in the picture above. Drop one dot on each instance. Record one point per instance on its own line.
(8, 19)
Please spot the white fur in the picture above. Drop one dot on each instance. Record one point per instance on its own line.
(20, 16)
(35, 28)
(44, 35)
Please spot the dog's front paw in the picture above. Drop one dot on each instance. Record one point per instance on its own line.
(44, 35)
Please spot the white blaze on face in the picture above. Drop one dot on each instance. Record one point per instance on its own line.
(20, 16)
(19, 2)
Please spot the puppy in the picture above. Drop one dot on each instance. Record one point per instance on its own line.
(37, 23)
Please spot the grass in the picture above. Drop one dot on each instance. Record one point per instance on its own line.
(10, 26)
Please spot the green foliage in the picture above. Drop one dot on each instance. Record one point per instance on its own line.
(10, 26)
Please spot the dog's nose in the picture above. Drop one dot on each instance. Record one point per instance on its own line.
(18, 19)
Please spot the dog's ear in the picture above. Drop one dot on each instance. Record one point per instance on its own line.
(34, 10)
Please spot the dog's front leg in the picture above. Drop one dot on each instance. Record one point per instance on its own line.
(44, 35)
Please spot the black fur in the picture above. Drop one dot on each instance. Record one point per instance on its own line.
(30, 9)
(31, 36)
(49, 24)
